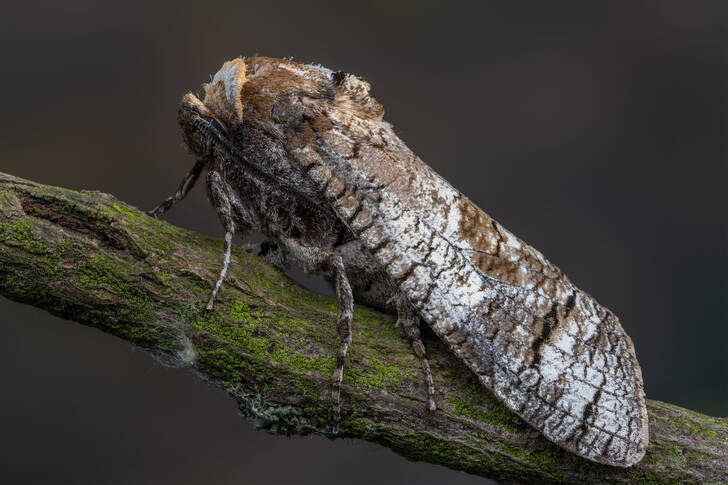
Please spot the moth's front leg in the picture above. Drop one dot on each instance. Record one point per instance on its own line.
(218, 196)
(184, 188)
(410, 322)
(319, 260)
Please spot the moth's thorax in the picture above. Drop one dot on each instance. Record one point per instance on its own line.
(267, 80)
(274, 112)
(253, 88)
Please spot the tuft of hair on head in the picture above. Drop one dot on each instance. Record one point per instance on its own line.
(222, 94)
(352, 94)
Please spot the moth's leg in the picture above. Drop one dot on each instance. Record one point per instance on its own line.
(410, 323)
(184, 188)
(221, 202)
(319, 260)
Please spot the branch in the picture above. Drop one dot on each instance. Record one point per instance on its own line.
(270, 343)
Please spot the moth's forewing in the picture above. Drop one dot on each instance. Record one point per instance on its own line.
(549, 351)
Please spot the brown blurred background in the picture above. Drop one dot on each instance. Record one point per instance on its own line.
(593, 130)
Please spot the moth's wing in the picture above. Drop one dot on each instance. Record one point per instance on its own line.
(548, 350)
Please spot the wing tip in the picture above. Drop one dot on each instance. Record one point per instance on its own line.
(635, 449)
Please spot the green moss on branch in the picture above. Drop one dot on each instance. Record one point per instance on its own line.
(270, 343)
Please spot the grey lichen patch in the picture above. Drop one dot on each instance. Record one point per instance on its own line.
(273, 418)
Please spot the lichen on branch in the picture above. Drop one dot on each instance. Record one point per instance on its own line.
(88, 257)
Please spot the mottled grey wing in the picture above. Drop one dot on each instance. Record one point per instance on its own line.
(549, 351)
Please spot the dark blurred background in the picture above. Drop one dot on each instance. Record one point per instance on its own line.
(593, 130)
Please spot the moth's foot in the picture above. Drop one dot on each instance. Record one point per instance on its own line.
(211, 300)
(161, 208)
(338, 379)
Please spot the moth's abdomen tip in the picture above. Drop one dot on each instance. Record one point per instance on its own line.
(644, 441)
(637, 457)
(631, 458)
(601, 417)
(615, 449)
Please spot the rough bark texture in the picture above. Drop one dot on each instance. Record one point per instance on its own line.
(270, 343)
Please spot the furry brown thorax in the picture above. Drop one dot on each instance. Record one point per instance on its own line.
(259, 87)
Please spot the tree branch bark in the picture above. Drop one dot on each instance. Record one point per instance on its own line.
(270, 343)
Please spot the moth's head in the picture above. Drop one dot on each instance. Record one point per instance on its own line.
(191, 110)
(278, 94)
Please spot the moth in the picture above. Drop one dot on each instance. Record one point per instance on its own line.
(302, 154)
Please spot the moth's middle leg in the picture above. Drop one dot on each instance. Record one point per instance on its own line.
(316, 259)
(410, 322)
